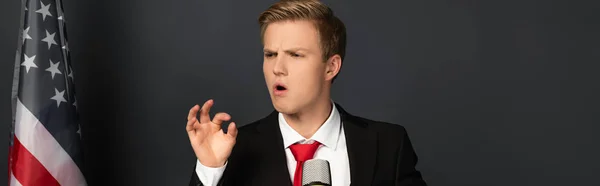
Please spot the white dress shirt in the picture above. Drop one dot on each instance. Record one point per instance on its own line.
(333, 149)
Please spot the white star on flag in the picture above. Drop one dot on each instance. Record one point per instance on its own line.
(44, 10)
(70, 72)
(54, 68)
(49, 39)
(75, 102)
(59, 97)
(26, 34)
(79, 130)
(28, 63)
(66, 47)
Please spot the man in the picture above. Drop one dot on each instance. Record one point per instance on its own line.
(304, 46)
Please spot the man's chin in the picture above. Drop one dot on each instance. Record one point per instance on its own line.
(282, 107)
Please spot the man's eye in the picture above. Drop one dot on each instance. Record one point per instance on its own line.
(268, 55)
(295, 55)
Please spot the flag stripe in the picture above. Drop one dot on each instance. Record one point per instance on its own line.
(34, 137)
(27, 169)
(14, 181)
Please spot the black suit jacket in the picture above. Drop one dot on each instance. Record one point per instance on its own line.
(379, 154)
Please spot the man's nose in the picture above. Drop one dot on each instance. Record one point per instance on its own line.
(279, 68)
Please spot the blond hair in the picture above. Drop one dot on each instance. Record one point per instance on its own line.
(331, 29)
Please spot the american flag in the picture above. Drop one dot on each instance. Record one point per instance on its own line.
(45, 143)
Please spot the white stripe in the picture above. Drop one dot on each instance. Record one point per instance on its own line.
(14, 181)
(42, 145)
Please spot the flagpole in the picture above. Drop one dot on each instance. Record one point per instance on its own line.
(15, 84)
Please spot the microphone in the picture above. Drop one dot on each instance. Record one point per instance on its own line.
(315, 172)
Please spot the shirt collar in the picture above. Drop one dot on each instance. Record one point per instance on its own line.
(327, 134)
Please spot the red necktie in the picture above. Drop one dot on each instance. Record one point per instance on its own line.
(302, 152)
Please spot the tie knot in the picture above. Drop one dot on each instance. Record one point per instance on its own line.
(303, 152)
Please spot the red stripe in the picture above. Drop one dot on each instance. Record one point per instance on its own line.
(27, 169)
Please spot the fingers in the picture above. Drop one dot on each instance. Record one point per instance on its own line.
(204, 117)
(190, 125)
(232, 130)
(193, 112)
(192, 119)
(220, 117)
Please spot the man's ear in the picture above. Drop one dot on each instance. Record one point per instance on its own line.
(333, 66)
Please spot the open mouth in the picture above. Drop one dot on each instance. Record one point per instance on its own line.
(280, 88)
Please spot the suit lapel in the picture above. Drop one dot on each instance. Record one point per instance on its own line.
(361, 144)
(276, 163)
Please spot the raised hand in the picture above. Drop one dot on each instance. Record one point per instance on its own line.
(211, 144)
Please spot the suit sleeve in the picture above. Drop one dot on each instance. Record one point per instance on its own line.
(406, 173)
(195, 181)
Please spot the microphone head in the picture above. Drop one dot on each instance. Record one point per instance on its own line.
(316, 172)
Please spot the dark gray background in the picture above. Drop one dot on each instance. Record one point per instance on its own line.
(493, 93)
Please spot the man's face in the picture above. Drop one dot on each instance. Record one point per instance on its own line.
(293, 66)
